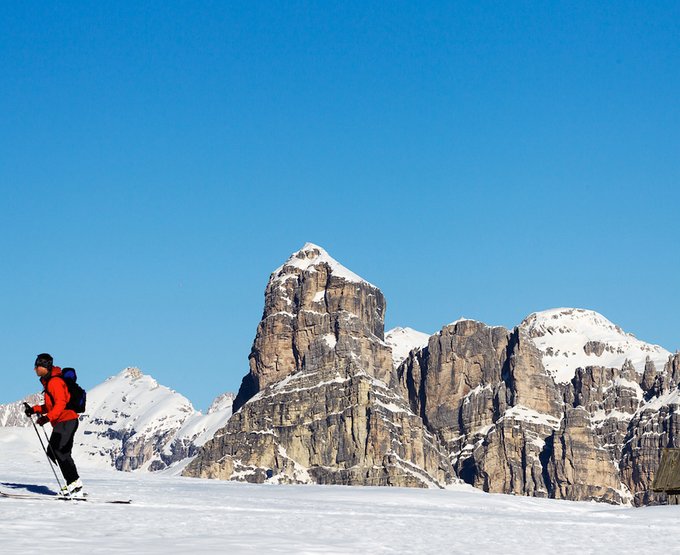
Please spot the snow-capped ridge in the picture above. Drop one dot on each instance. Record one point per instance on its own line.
(570, 338)
(463, 319)
(134, 422)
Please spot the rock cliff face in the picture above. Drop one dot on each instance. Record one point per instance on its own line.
(511, 425)
(331, 426)
(654, 426)
(485, 392)
(315, 406)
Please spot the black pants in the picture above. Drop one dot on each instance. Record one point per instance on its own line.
(61, 444)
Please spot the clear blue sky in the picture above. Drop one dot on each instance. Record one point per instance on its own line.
(481, 159)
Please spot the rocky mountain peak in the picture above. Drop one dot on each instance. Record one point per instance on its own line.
(132, 373)
(316, 311)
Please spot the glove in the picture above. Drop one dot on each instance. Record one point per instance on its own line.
(29, 410)
(42, 420)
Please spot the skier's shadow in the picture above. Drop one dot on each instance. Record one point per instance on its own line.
(31, 488)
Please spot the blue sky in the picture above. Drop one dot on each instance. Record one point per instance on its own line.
(481, 159)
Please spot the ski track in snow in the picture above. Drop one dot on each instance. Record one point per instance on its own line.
(171, 514)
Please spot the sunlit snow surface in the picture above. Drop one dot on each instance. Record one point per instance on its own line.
(171, 514)
(403, 341)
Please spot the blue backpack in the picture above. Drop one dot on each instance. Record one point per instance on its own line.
(78, 396)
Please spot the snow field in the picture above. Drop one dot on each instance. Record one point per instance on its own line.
(171, 514)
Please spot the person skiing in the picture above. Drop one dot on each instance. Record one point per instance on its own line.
(64, 421)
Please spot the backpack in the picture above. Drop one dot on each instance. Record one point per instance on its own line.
(78, 396)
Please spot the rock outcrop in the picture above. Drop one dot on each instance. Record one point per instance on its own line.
(579, 467)
(330, 426)
(315, 406)
(513, 425)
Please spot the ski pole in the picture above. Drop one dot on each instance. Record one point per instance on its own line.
(45, 450)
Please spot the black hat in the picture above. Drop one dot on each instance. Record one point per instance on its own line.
(45, 360)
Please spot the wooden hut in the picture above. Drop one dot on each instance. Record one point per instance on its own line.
(667, 478)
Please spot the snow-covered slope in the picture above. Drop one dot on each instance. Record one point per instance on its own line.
(570, 338)
(199, 428)
(403, 341)
(133, 422)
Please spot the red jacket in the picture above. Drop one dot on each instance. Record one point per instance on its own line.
(56, 397)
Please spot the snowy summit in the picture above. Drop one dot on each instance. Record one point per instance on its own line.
(570, 338)
(312, 255)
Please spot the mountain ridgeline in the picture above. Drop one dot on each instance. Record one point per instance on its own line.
(566, 405)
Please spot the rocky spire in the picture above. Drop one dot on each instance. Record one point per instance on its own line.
(314, 309)
(316, 405)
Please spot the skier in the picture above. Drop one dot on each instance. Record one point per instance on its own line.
(64, 422)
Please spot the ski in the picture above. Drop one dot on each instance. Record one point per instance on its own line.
(54, 497)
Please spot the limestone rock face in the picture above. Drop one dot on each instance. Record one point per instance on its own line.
(579, 468)
(655, 425)
(611, 397)
(507, 459)
(315, 406)
(313, 297)
(509, 427)
(332, 426)
(450, 384)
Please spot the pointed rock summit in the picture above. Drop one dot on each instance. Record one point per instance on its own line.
(316, 309)
(310, 256)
